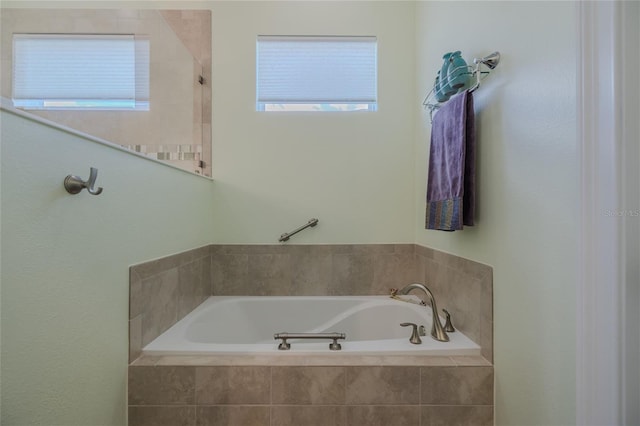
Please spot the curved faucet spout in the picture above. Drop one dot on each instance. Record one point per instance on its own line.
(437, 330)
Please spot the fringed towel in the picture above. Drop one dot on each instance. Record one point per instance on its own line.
(451, 182)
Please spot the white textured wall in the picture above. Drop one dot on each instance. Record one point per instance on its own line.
(527, 200)
(274, 171)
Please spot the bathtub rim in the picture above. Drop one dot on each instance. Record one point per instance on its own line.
(316, 360)
(302, 357)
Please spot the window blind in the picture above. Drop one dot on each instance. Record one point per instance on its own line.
(299, 69)
(80, 71)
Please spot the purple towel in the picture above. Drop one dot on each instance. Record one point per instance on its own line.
(451, 183)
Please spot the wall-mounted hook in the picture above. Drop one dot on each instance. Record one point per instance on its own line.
(74, 184)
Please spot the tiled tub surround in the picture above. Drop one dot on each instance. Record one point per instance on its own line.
(332, 389)
(163, 291)
(311, 395)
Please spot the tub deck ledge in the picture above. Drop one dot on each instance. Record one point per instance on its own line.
(310, 360)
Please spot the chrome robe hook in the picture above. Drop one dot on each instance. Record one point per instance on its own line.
(74, 184)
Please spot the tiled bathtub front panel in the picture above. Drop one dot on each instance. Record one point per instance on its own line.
(310, 396)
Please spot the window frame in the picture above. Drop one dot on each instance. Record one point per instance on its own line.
(362, 65)
(50, 78)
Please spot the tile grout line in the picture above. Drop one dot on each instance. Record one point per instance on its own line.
(270, 395)
(420, 396)
(344, 401)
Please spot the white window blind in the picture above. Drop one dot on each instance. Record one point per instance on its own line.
(316, 70)
(80, 71)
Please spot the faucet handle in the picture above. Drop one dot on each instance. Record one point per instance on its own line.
(448, 327)
(415, 336)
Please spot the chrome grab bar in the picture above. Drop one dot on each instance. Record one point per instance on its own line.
(285, 237)
(285, 346)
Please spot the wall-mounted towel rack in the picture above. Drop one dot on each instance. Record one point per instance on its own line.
(471, 74)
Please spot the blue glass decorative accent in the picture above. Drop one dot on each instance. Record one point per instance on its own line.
(445, 86)
(439, 94)
(458, 73)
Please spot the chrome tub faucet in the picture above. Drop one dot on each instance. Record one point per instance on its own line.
(437, 330)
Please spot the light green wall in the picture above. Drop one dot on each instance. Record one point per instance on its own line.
(64, 258)
(527, 190)
(274, 171)
(65, 266)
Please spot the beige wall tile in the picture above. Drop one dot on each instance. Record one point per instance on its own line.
(383, 385)
(270, 274)
(371, 249)
(308, 385)
(457, 385)
(229, 274)
(193, 286)
(404, 248)
(188, 256)
(233, 385)
(352, 274)
(161, 385)
(311, 270)
(464, 288)
(299, 415)
(160, 298)
(154, 267)
(135, 338)
(456, 415)
(389, 415)
(424, 252)
(392, 271)
(460, 263)
(136, 299)
(162, 416)
(233, 415)
(486, 316)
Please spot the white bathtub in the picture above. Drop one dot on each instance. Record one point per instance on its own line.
(246, 325)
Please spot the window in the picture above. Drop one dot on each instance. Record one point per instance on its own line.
(300, 73)
(80, 71)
